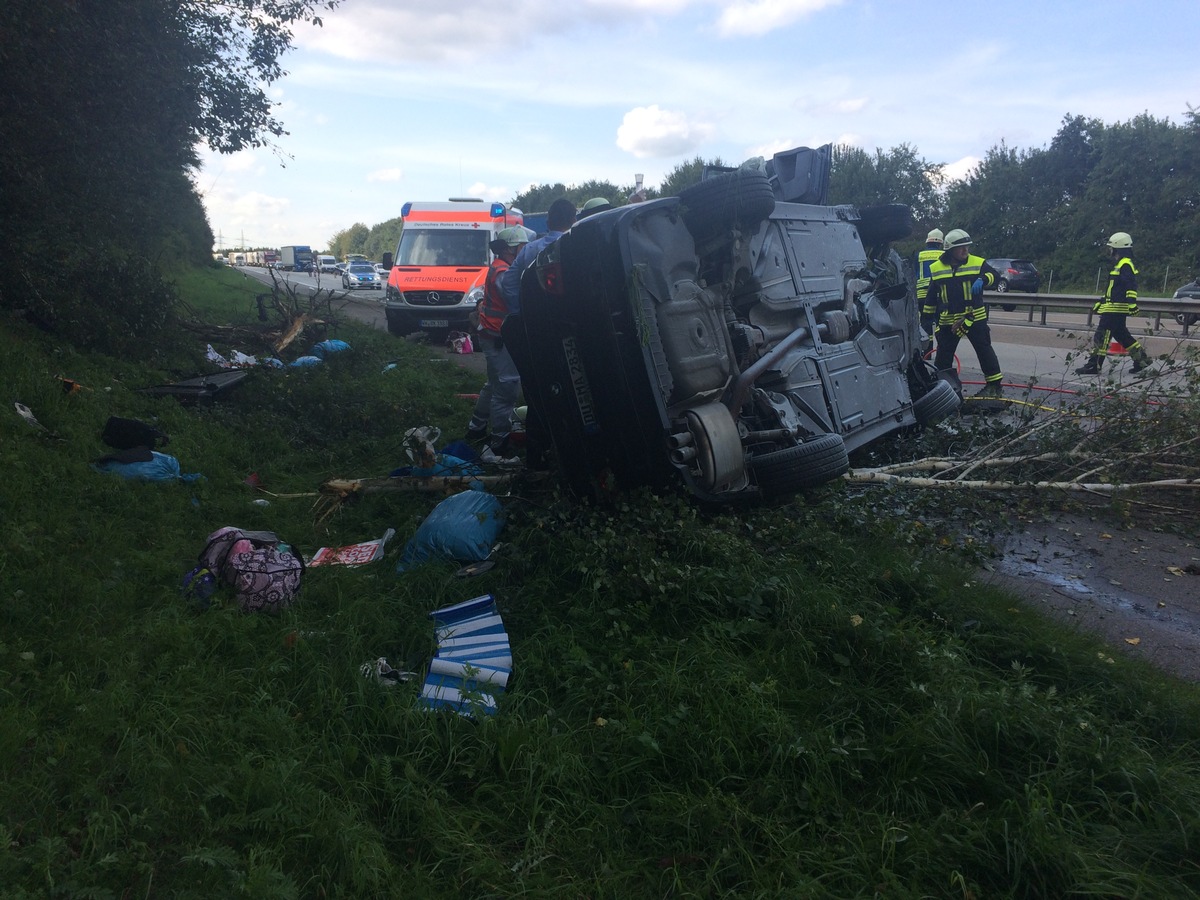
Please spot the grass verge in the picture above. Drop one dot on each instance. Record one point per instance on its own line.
(800, 700)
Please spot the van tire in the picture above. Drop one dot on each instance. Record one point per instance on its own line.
(936, 404)
(837, 327)
(739, 199)
(806, 465)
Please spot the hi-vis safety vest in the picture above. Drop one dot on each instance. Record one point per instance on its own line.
(949, 296)
(925, 259)
(492, 308)
(1121, 295)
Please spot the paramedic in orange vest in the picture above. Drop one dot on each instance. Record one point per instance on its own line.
(500, 393)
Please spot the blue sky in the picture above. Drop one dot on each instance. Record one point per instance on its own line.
(393, 101)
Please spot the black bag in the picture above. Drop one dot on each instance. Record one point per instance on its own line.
(125, 434)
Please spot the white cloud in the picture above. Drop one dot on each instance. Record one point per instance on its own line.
(769, 149)
(485, 192)
(650, 131)
(254, 206)
(466, 31)
(757, 17)
(956, 171)
(386, 175)
(850, 105)
(242, 161)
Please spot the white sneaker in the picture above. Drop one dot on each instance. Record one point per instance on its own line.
(384, 673)
(490, 457)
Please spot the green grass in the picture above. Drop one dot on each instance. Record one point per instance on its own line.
(800, 700)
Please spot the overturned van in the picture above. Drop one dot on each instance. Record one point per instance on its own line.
(738, 341)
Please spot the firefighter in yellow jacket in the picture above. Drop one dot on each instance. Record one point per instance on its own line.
(1118, 304)
(924, 258)
(953, 303)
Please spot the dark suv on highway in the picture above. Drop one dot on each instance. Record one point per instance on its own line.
(738, 341)
(1016, 275)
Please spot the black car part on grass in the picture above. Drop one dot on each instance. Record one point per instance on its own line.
(729, 340)
(202, 388)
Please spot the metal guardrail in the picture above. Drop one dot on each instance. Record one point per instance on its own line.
(1185, 311)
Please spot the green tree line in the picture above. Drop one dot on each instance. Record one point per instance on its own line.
(1056, 205)
(105, 105)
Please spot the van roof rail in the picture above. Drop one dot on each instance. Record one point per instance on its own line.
(466, 200)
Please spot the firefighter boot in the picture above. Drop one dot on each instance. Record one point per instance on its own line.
(1091, 368)
(1141, 359)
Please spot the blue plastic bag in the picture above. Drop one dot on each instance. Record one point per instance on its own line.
(160, 467)
(327, 348)
(445, 464)
(462, 527)
(305, 362)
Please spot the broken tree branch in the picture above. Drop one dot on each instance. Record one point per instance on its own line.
(867, 476)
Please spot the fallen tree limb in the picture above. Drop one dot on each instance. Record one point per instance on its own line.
(344, 487)
(945, 464)
(877, 476)
(293, 330)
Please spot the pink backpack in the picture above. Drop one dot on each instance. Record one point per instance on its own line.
(264, 577)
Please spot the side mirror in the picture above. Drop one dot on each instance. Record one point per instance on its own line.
(386, 261)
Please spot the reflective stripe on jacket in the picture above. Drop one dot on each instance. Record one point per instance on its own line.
(1121, 295)
(949, 295)
(492, 308)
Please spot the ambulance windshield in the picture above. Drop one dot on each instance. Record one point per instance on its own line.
(443, 247)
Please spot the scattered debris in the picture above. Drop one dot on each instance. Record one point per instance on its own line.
(473, 661)
(202, 388)
(383, 672)
(353, 554)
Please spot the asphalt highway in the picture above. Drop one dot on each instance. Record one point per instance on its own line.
(1029, 352)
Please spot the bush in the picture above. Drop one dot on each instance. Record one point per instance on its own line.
(116, 306)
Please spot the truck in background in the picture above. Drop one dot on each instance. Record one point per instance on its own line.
(296, 258)
(436, 277)
(237, 259)
(536, 222)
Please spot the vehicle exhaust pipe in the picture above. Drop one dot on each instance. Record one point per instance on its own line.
(773, 434)
(735, 394)
(683, 455)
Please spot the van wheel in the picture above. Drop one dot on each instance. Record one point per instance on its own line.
(936, 404)
(837, 327)
(738, 199)
(806, 465)
(879, 225)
